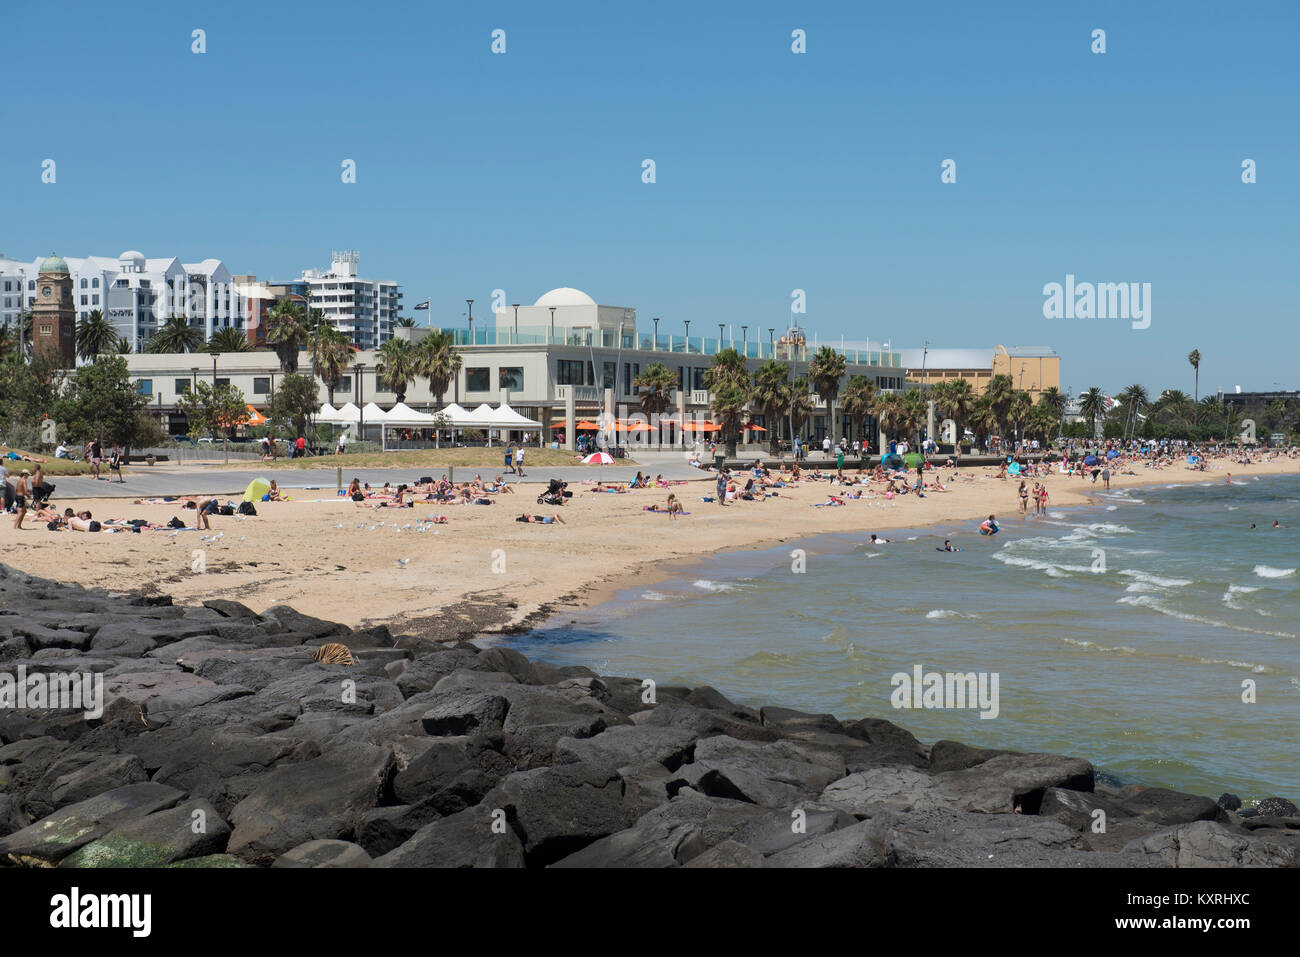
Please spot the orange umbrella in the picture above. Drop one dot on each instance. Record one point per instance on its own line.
(255, 417)
(633, 427)
(701, 427)
(753, 428)
(580, 425)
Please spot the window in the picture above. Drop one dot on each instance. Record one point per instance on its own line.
(85, 300)
(94, 283)
(94, 300)
(9, 286)
(345, 384)
(511, 377)
(222, 381)
(31, 284)
(83, 284)
(697, 378)
(631, 370)
(261, 385)
(608, 372)
(145, 387)
(47, 329)
(570, 372)
(478, 379)
(182, 386)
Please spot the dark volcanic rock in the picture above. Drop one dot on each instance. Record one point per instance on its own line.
(51, 839)
(191, 829)
(1277, 807)
(386, 828)
(476, 837)
(322, 798)
(1166, 807)
(324, 853)
(559, 810)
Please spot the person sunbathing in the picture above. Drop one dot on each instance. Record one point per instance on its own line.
(541, 519)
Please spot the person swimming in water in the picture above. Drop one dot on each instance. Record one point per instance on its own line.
(989, 526)
(947, 547)
(878, 541)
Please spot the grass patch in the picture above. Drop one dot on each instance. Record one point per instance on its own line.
(51, 465)
(485, 459)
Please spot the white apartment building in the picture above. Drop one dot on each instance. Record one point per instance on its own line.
(364, 309)
(135, 293)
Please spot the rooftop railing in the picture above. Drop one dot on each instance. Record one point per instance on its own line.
(586, 337)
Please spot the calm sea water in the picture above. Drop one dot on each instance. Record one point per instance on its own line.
(1139, 667)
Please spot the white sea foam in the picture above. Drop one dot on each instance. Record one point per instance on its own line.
(1153, 603)
(1147, 578)
(1247, 665)
(705, 585)
(940, 613)
(654, 596)
(1268, 571)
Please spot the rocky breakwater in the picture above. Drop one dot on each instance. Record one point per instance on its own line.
(220, 741)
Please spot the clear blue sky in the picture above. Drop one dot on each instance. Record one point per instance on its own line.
(775, 171)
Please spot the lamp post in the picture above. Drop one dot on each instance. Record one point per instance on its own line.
(744, 339)
(516, 305)
(361, 411)
(771, 340)
(721, 326)
(654, 345)
(688, 335)
(470, 303)
(552, 323)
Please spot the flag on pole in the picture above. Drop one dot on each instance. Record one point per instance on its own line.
(425, 305)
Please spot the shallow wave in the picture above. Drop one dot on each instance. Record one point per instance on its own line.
(705, 584)
(1052, 569)
(1151, 602)
(654, 596)
(939, 614)
(1268, 571)
(1159, 581)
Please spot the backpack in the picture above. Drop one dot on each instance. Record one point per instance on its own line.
(226, 509)
(246, 508)
(175, 523)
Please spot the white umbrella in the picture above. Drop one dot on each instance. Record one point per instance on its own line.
(598, 458)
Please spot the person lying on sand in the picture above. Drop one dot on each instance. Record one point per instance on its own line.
(541, 519)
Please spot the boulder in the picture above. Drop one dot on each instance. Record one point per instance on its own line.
(1206, 843)
(323, 853)
(1167, 808)
(624, 745)
(475, 837)
(445, 760)
(49, 840)
(672, 713)
(669, 836)
(321, 798)
(386, 828)
(465, 712)
(727, 854)
(191, 829)
(559, 810)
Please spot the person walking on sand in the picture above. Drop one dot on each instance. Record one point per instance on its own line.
(1105, 477)
(722, 486)
(1023, 492)
(21, 491)
(519, 461)
(343, 443)
(96, 456)
(510, 458)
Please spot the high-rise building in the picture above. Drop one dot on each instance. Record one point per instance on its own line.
(364, 309)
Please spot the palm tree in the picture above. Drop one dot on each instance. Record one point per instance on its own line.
(859, 399)
(1092, 404)
(825, 372)
(286, 331)
(1001, 389)
(1042, 422)
(436, 358)
(1134, 399)
(331, 353)
(1194, 357)
(1052, 398)
(228, 339)
(771, 394)
(176, 335)
(123, 346)
(983, 419)
(398, 365)
(95, 335)
(1018, 410)
(655, 386)
(890, 411)
(728, 401)
(403, 322)
(954, 399)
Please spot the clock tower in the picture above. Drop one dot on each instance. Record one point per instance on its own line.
(54, 317)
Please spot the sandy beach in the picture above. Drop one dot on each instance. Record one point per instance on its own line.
(359, 565)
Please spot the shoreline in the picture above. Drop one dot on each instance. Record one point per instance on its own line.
(344, 563)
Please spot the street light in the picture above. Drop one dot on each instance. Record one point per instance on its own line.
(552, 323)
(516, 305)
(361, 417)
(721, 325)
(688, 335)
(744, 338)
(655, 345)
(470, 303)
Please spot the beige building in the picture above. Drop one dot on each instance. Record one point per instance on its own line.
(1031, 368)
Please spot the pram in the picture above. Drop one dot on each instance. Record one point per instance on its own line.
(555, 493)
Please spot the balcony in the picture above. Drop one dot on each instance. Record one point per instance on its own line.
(581, 393)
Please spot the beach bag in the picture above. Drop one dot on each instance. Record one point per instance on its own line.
(226, 509)
(175, 523)
(246, 508)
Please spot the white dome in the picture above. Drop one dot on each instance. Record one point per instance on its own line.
(132, 255)
(564, 296)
